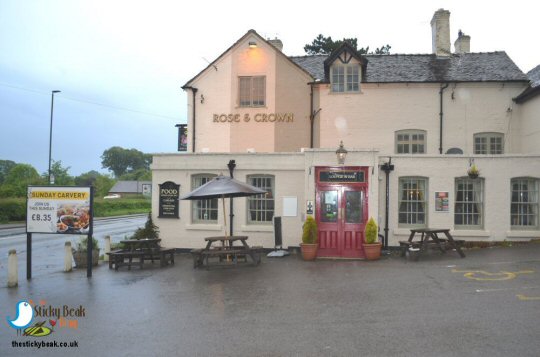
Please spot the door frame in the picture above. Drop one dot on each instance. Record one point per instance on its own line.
(355, 180)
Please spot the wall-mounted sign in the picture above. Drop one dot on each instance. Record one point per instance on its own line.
(341, 176)
(309, 207)
(168, 200)
(441, 201)
(259, 118)
(61, 210)
(147, 189)
(182, 137)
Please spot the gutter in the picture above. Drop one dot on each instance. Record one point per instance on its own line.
(312, 114)
(443, 87)
(194, 91)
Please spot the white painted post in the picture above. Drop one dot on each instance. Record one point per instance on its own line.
(68, 257)
(13, 273)
(107, 248)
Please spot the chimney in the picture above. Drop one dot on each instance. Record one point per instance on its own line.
(276, 43)
(440, 33)
(463, 43)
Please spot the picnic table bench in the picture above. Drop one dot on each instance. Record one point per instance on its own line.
(227, 253)
(430, 238)
(143, 249)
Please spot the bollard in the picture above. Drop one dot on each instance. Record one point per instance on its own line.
(107, 248)
(13, 273)
(68, 257)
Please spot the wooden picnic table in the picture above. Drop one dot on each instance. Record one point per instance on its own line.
(225, 251)
(429, 237)
(142, 249)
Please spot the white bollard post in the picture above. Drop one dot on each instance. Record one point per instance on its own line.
(68, 257)
(107, 248)
(13, 273)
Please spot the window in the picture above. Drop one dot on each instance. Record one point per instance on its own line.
(524, 206)
(489, 143)
(203, 211)
(252, 91)
(345, 78)
(411, 142)
(261, 207)
(469, 206)
(412, 201)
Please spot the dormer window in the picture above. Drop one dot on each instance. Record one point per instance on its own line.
(345, 77)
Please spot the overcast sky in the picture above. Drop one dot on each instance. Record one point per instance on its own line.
(120, 64)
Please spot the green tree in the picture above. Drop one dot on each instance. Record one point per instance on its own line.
(102, 183)
(325, 45)
(137, 175)
(60, 173)
(5, 167)
(17, 180)
(121, 161)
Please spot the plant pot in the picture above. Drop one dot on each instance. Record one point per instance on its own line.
(81, 261)
(309, 251)
(473, 175)
(372, 251)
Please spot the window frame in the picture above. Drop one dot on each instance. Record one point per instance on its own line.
(347, 83)
(468, 205)
(207, 205)
(411, 203)
(410, 143)
(250, 103)
(534, 206)
(488, 136)
(261, 201)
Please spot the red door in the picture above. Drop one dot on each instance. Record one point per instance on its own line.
(341, 212)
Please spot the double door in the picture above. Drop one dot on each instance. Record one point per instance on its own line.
(341, 216)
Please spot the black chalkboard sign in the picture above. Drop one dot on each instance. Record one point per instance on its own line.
(168, 200)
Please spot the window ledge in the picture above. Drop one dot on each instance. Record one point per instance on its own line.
(204, 227)
(257, 228)
(523, 234)
(470, 233)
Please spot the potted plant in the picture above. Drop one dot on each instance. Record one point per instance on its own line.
(372, 248)
(309, 239)
(473, 172)
(80, 253)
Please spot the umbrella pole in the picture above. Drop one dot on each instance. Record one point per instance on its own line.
(224, 215)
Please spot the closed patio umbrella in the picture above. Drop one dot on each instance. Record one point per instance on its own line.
(223, 187)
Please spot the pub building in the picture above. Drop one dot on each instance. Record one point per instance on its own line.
(345, 137)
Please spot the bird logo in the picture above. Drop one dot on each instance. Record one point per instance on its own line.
(23, 317)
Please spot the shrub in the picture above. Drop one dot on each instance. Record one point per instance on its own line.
(83, 243)
(12, 209)
(371, 231)
(309, 234)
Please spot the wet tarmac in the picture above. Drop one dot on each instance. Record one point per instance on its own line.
(487, 304)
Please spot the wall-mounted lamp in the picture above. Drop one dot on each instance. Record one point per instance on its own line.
(341, 154)
(252, 44)
(202, 99)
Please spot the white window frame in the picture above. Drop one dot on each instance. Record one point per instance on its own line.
(489, 143)
(469, 203)
(262, 207)
(251, 91)
(203, 211)
(409, 141)
(524, 203)
(415, 202)
(345, 78)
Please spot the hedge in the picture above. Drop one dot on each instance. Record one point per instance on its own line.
(14, 209)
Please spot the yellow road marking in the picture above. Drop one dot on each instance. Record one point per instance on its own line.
(503, 275)
(527, 298)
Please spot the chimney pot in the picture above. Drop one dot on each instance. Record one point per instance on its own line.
(277, 43)
(463, 43)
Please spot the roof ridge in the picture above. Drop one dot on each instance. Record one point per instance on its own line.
(406, 54)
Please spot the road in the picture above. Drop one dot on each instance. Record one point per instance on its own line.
(48, 249)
